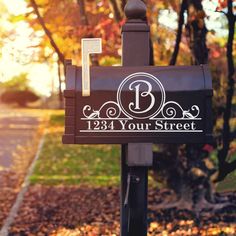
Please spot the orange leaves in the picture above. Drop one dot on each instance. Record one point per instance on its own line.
(80, 211)
(222, 4)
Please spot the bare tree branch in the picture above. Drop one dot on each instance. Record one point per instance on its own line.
(179, 32)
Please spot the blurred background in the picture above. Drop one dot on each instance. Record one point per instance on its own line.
(38, 35)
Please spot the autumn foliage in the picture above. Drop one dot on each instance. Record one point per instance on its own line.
(65, 23)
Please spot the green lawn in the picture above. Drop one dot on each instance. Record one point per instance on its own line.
(228, 184)
(96, 165)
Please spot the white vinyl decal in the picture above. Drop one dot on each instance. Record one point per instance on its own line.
(141, 106)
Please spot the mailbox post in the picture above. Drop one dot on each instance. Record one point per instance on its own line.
(136, 105)
(136, 157)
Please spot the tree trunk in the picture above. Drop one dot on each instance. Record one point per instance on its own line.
(82, 11)
(116, 11)
(225, 167)
(197, 32)
(174, 180)
(193, 174)
(123, 3)
(179, 32)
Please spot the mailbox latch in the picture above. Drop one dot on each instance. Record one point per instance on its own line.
(130, 179)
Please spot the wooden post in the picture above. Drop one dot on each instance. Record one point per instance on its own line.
(135, 157)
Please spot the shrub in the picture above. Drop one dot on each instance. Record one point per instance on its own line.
(19, 97)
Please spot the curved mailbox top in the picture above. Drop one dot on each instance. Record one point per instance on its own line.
(139, 104)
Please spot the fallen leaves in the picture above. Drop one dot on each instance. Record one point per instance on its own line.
(71, 210)
(9, 183)
(94, 211)
(21, 145)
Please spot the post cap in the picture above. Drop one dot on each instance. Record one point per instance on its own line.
(135, 9)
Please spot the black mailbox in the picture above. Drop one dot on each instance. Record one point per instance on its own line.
(139, 105)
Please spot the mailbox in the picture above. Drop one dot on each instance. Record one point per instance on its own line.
(139, 105)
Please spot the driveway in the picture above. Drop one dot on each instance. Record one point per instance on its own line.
(17, 129)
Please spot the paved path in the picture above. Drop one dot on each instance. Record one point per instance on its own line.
(16, 129)
(18, 132)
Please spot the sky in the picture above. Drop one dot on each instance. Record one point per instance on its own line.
(17, 53)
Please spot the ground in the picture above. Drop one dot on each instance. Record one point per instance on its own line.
(19, 134)
(75, 191)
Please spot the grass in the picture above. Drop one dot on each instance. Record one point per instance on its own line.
(93, 165)
(228, 184)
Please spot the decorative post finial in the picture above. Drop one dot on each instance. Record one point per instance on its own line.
(135, 9)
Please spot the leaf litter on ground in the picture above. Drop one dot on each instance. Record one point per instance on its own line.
(94, 211)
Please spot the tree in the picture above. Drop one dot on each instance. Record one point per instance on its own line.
(189, 169)
(226, 167)
(183, 164)
(196, 32)
(17, 90)
(19, 82)
(179, 32)
(47, 31)
(195, 154)
(116, 9)
(53, 43)
(19, 97)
